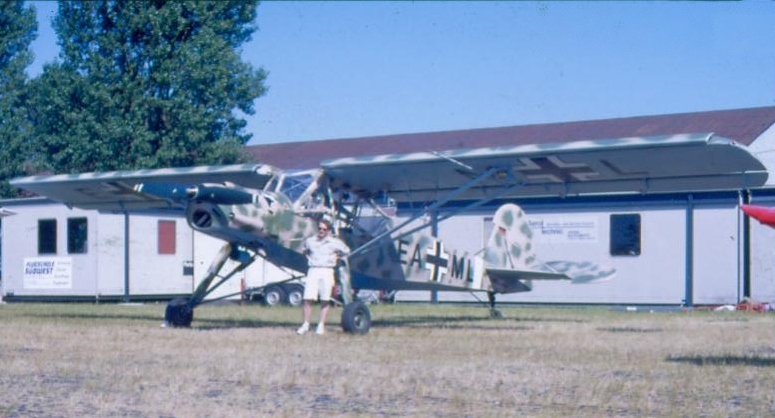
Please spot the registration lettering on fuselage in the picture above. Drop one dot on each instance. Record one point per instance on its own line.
(433, 263)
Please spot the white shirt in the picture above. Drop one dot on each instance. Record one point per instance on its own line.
(324, 252)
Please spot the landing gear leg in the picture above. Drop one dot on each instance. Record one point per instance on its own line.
(494, 313)
(356, 318)
(180, 311)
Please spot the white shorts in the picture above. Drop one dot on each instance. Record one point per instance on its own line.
(319, 283)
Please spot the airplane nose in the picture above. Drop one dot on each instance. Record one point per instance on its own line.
(202, 218)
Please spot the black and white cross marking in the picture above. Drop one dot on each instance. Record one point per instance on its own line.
(437, 261)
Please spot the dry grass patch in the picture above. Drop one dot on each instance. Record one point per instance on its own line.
(418, 360)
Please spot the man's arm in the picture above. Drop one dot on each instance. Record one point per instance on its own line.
(341, 248)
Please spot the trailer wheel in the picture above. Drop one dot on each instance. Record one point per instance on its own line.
(274, 295)
(295, 294)
(356, 318)
(178, 314)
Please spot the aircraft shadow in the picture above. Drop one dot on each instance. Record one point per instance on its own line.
(729, 360)
(430, 322)
(131, 317)
(470, 322)
(630, 330)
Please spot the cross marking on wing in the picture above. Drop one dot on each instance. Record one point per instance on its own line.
(553, 169)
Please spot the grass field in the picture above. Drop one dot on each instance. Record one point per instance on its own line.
(79, 360)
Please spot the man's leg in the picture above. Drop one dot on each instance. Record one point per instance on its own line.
(311, 290)
(326, 286)
(307, 310)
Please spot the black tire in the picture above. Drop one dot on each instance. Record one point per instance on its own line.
(294, 294)
(178, 314)
(274, 295)
(356, 318)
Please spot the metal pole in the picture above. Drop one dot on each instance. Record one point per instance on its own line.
(689, 279)
(746, 252)
(435, 233)
(126, 257)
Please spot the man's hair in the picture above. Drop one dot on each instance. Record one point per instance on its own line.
(326, 223)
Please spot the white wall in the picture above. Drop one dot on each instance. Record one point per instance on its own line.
(20, 242)
(762, 257)
(716, 258)
(764, 149)
(100, 271)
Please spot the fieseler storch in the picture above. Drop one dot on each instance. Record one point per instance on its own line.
(260, 211)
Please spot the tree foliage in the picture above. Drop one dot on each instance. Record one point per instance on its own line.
(19, 28)
(145, 84)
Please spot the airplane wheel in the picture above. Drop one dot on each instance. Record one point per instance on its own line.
(496, 314)
(273, 295)
(178, 314)
(356, 318)
(295, 295)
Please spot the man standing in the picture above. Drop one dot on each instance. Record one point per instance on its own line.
(323, 252)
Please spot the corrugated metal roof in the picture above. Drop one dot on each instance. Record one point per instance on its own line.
(740, 125)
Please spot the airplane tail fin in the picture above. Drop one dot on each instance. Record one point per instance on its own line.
(510, 244)
(509, 257)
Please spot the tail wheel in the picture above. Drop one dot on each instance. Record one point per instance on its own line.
(178, 314)
(356, 318)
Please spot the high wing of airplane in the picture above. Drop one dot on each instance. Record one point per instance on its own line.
(265, 212)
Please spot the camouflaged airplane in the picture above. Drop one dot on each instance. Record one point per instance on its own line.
(264, 212)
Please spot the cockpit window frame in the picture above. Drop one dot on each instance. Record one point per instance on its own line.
(302, 181)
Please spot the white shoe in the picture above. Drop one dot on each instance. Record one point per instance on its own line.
(303, 328)
(321, 329)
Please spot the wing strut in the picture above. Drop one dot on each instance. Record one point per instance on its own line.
(490, 171)
(430, 208)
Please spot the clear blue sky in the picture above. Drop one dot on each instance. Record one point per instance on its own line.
(350, 69)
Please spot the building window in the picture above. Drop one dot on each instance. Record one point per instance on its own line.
(77, 234)
(166, 238)
(47, 236)
(625, 234)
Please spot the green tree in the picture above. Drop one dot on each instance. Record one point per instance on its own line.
(145, 84)
(19, 28)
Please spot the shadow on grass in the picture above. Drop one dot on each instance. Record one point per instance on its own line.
(630, 330)
(729, 360)
(441, 321)
(414, 322)
(116, 316)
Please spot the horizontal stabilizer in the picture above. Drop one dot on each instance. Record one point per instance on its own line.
(581, 272)
(509, 280)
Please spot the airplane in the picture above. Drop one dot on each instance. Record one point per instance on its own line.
(261, 211)
(765, 215)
